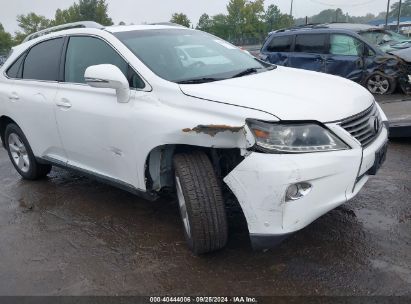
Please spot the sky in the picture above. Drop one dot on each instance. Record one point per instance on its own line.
(139, 11)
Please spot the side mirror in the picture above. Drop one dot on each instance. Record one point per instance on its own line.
(108, 76)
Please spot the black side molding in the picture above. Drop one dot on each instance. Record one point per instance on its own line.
(267, 241)
(148, 195)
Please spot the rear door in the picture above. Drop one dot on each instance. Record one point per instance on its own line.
(346, 58)
(32, 97)
(7, 92)
(310, 52)
(277, 50)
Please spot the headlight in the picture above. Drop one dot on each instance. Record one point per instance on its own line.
(294, 137)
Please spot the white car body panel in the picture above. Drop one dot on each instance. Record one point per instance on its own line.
(290, 94)
(35, 100)
(100, 135)
(333, 177)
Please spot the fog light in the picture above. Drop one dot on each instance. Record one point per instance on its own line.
(296, 191)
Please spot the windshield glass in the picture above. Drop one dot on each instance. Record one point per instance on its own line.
(385, 40)
(182, 55)
(199, 52)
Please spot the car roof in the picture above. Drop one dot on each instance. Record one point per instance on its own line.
(313, 31)
(84, 25)
(143, 27)
(357, 27)
(330, 27)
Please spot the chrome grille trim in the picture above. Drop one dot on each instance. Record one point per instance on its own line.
(361, 126)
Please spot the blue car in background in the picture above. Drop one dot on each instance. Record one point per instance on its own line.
(339, 50)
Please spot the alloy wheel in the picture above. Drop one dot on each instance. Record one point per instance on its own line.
(19, 153)
(378, 84)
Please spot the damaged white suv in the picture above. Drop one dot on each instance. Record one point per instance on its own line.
(120, 104)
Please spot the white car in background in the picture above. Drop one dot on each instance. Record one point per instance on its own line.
(198, 55)
(120, 104)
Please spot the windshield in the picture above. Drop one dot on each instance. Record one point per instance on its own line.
(199, 52)
(385, 40)
(182, 55)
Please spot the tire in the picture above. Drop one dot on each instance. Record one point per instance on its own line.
(21, 155)
(381, 84)
(201, 203)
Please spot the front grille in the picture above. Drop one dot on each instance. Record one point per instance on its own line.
(364, 126)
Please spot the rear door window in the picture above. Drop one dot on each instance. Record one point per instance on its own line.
(345, 45)
(280, 44)
(311, 43)
(43, 61)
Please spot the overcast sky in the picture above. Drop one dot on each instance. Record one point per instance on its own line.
(138, 11)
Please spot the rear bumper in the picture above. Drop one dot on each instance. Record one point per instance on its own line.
(261, 180)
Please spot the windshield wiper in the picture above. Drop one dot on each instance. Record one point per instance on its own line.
(198, 80)
(252, 71)
(246, 72)
(210, 79)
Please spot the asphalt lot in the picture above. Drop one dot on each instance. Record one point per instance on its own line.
(69, 235)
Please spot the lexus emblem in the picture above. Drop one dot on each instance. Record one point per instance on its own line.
(374, 124)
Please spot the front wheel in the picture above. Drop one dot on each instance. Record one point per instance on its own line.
(380, 84)
(201, 202)
(22, 156)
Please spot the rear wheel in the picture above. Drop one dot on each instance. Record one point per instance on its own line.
(201, 202)
(380, 84)
(22, 156)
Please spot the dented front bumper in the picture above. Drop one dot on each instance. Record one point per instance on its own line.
(261, 180)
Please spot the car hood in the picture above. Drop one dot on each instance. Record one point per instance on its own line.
(404, 54)
(289, 94)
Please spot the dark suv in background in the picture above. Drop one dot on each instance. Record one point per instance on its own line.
(341, 49)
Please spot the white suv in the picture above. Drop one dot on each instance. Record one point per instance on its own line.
(117, 103)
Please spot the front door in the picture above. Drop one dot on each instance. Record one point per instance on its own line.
(346, 57)
(95, 129)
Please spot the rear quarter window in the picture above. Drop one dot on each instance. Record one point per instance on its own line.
(15, 70)
(311, 43)
(280, 44)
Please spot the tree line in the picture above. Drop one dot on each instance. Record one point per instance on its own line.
(245, 21)
(337, 15)
(84, 10)
(248, 21)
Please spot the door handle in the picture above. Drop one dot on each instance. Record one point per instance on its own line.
(14, 96)
(63, 103)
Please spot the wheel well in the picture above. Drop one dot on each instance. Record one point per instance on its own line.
(159, 171)
(4, 122)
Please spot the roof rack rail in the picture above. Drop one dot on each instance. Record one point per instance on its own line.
(81, 24)
(302, 27)
(167, 23)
